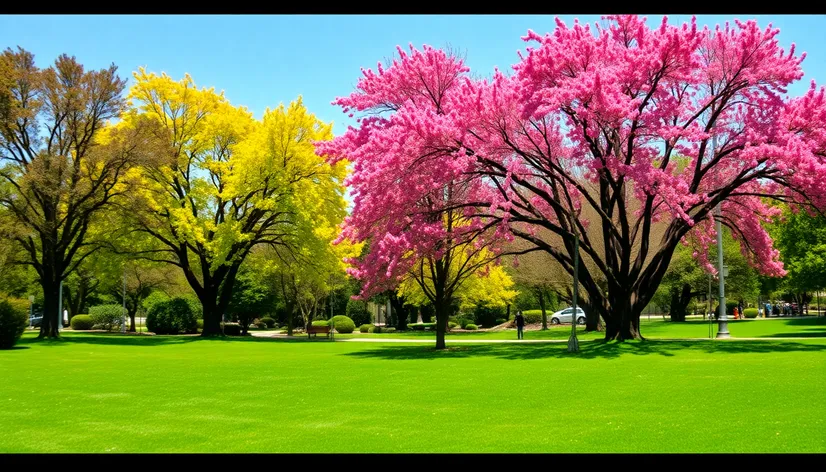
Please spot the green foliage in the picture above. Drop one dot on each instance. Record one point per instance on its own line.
(200, 324)
(173, 316)
(232, 329)
(268, 321)
(471, 327)
(462, 321)
(423, 326)
(487, 315)
(343, 324)
(452, 324)
(251, 295)
(750, 312)
(82, 323)
(13, 321)
(154, 298)
(358, 312)
(801, 240)
(261, 325)
(499, 321)
(535, 316)
(320, 323)
(106, 317)
(380, 329)
(365, 328)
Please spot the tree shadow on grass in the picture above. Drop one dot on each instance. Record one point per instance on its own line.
(16, 347)
(588, 350)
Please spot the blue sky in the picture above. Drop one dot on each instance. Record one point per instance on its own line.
(260, 61)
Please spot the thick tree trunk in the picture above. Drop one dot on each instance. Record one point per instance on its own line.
(679, 303)
(212, 316)
(622, 322)
(131, 321)
(51, 302)
(542, 306)
(442, 315)
(290, 318)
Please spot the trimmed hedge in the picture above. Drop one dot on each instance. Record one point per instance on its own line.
(320, 323)
(750, 312)
(462, 321)
(343, 324)
(232, 329)
(14, 317)
(173, 316)
(269, 321)
(82, 323)
(471, 327)
(535, 316)
(379, 329)
(452, 324)
(365, 328)
(423, 326)
(106, 317)
(357, 311)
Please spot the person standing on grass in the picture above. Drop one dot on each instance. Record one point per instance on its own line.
(520, 324)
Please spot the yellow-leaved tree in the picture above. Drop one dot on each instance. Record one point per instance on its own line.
(229, 184)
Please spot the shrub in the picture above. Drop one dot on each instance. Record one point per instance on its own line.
(106, 316)
(343, 324)
(13, 321)
(429, 326)
(486, 316)
(268, 321)
(462, 321)
(750, 312)
(200, 324)
(500, 321)
(416, 327)
(232, 329)
(320, 323)
(261, 325)
(82, 323)
(365, 328)
(388, 330)
(171, 317)
(357, 311)
(153, 298)
(535, 316)
(471, 327)
(452, 324)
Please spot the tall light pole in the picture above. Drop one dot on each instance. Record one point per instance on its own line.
(722, 319)
(573, 343)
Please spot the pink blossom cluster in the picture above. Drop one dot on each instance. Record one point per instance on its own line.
(683, 117)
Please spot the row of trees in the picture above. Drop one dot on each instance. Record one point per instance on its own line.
(168, 175)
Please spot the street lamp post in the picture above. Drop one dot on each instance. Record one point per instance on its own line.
(722, 320)
(573, 343)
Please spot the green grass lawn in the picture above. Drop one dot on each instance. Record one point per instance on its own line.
(113, 393)
(653, 329)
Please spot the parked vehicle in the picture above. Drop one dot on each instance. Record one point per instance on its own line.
(35, 320)
(566, 315)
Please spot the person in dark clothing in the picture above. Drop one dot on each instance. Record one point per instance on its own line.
(520, 324)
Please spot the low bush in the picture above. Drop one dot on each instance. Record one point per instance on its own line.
(200, 324)
(429, 326)
(499, 321)
(173, 316)
(462, 321)
(750, 312)
(320, 323)
(365, 328)
(388, 330)
(261, 325)
(13, 321)
(471, 327)
(106, 317)
(487, 315)
(268, 321)
(343, 324)
(416, 327)
(452, 324)
(82, 323)
(232, 329)
(534, 316)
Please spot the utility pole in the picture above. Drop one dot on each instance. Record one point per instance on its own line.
(573, 343)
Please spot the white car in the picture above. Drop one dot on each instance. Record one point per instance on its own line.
(564, 316)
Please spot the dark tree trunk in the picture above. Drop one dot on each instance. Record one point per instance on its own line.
(51, 302)
(542, 306)
(290, 318)
(401, 311)
(442, 316)
(212, 317)
(679, 303)
(622, 322)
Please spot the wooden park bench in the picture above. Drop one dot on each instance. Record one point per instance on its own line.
(314, 330)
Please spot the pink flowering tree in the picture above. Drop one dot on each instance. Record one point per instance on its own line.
(637, 133)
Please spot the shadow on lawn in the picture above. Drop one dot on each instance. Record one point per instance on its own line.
(588, 350)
